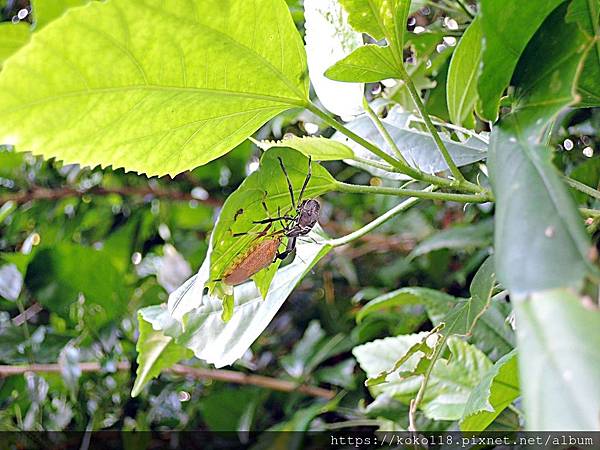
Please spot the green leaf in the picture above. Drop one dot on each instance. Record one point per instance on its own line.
(155, 353)
(224, 409)
(196, 322)
(450, 383)
(423, 347)
(540, 241)
(417, 147)
(544, 86)
(507, 26)
(45, 11)
(12, 38)
(461, 90)
(379, 18)
(381, 355)
(458, 238)
(366, 64)
(108, 98)
(588, 87)
(68, 276)
(585, 14)
(496, 391)
(319, 148)
(453, 380)
(400, 297)
(245, 206)
(341, 374)
(559, 362)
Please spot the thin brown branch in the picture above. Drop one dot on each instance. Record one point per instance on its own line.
(227, 376)
(40, 193)
(27, 314)
(231, 376)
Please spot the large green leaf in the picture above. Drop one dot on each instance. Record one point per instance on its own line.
(559, 361)
(496, 391)
(507, 26)
(204, 331)
(162, 103)
(450, 382)
(453, 380)
(15, 36)
(366, 64)
(245, 206)
(540, 240)
(461, 92)
(68, 276)
(45, 11)
(155, 353)
(12, 38)
(544, 86)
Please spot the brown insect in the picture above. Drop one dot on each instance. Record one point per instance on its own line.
(266, 252)
(258, 257)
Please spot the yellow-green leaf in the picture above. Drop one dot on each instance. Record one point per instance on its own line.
(151, 86)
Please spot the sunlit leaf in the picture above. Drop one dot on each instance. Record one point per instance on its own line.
(366, 64)
(155, 353)
(379, 18)
(319, 148)
(111, 96)
(461, 90)
(496, 391)
(450, 383)
(12, 38)
(45, 11)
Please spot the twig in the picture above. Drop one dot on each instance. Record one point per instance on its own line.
(415, 402)
(465, 8)
(27, 314)
(39, 193)
(377, 222)
(582, 187)
(228, 376)
(384, 132)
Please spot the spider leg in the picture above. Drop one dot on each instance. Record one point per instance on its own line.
(306, 180)
(289, 183)
(257, 233)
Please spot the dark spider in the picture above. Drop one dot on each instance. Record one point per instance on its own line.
(306, 217)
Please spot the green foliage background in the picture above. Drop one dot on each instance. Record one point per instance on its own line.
(142, 90)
